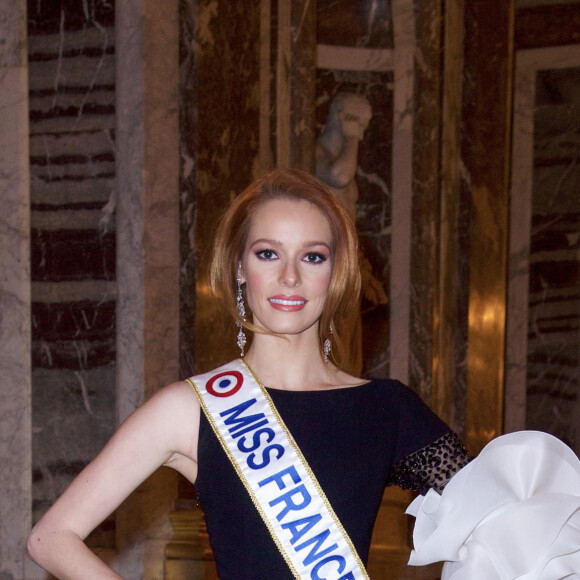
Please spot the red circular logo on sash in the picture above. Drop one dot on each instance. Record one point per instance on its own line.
(225, 384)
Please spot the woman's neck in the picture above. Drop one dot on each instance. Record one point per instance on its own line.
(294, 364)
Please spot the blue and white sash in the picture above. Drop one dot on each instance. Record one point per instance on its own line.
(276, 475)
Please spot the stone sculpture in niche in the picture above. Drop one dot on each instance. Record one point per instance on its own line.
(337, 148)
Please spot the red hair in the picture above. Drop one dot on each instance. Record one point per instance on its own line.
(344, 289)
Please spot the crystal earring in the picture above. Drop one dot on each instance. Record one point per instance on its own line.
(242, 312)
(327, 346)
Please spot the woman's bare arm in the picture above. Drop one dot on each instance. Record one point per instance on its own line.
(163, 431)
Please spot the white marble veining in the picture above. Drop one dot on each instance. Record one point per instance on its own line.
(529, 62)
(130, 176)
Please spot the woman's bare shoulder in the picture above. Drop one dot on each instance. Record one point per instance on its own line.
(175, 405)
(173, 397)
(179, 391)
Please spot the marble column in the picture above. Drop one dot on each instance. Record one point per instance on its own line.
(438, 206)
(520, 230)
(402, 179)
(489, 55)
(450, 332)
(426, 199)
(15, 406)
(147, 149)
(224, 73)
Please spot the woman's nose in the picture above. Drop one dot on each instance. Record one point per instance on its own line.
(290, 276)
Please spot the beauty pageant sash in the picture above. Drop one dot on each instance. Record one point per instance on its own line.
(276, 475)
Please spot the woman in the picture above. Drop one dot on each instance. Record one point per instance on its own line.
(285, 266)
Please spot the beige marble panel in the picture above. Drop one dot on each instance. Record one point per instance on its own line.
(15, 460)
(400, 291)
(147, 252)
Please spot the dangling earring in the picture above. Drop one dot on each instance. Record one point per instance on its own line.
(327, 346)
(242, 312)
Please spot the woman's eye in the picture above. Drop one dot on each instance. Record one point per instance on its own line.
(314, 258)
(266, 254)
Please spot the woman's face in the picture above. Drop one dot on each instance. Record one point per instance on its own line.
(287, 265)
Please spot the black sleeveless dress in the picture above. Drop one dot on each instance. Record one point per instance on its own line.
(357, 441)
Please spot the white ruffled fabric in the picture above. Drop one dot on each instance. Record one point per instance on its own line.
(512, 513)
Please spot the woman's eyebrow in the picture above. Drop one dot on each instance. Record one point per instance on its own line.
(267, 241)
(315, 243)
(272, 242)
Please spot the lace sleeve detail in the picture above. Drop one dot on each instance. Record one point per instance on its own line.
(430, 467)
